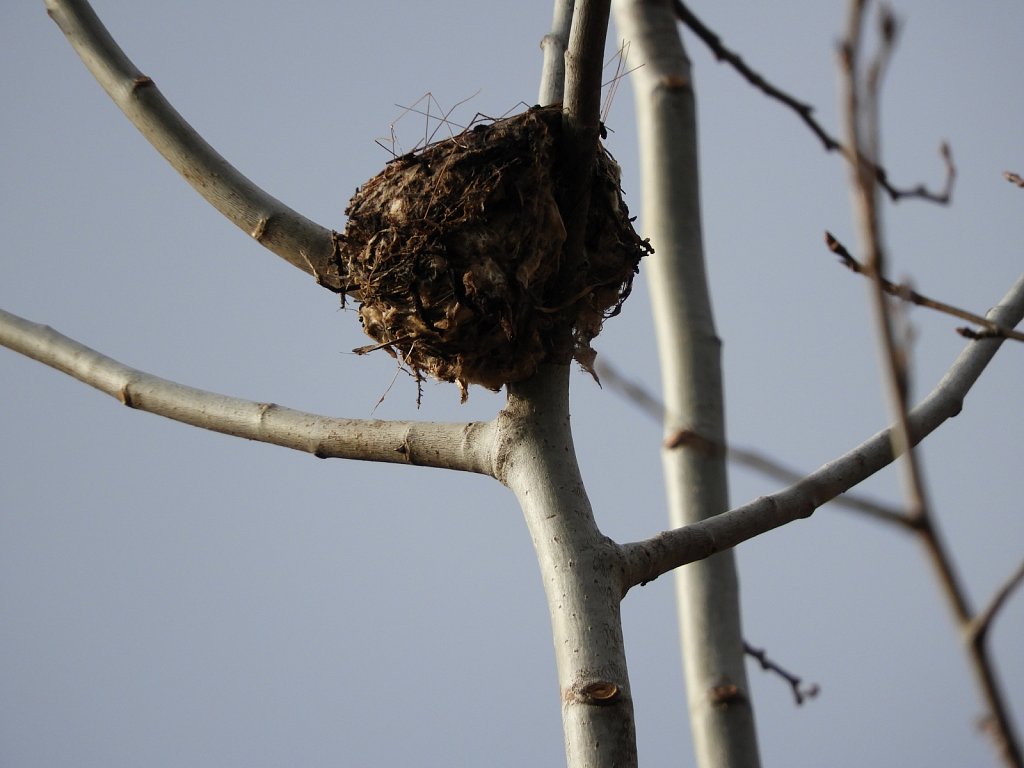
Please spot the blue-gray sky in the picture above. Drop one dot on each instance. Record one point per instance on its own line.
(175, 597)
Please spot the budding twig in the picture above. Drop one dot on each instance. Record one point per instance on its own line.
(906, 293)
(1014, 178)
(800, 693)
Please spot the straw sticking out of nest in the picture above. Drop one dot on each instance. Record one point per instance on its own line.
(456, 255)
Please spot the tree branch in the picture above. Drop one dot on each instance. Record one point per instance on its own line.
(580, 568)
(863, 127)
(648, 559)
(738, 455)
(905, 293)
(800, 693)
(554, 45)
(299, 241)
(977, 630)
(689, 352)
(806, 113)
(584, 63)
(581, 120)
(465, 447)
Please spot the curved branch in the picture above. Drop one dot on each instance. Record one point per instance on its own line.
(646, 560)
(748, 458)
(977, 630)
(275, 226)
(465, 447)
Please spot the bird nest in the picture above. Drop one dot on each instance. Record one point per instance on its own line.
(456, 255)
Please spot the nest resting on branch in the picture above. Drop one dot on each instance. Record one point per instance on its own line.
(456, 255)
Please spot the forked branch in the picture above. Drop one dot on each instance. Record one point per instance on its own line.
(275, 226)
(464, 447)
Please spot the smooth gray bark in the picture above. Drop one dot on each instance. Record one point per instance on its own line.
(298, 240)
(581, 569)
(721, 713)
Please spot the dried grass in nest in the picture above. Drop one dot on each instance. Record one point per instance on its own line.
(456, 255)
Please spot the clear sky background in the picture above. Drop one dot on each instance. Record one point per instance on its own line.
(174, 597)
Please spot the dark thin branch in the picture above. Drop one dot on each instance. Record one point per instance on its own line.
(863, 129)
(806, 113)
(800, 693)
(905, 293)
(977, 632)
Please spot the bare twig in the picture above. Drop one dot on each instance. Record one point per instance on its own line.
(979, 626)
(862, 92)
(744, 457)
(906, 293)
(293, 237)
(800, 693)
(1014, 178)
(806, 113)
(451, 446)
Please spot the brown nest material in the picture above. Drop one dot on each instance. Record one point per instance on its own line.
(456, 255)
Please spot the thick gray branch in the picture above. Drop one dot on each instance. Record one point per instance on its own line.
(464, 447)
(580, 567)
(721, 712)
(274, 225)
(646, 560)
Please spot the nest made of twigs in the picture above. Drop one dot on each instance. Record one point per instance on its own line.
(455, 253)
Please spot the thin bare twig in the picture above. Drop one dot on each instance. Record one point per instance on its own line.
(800, 693)
(806, 113)
(906, 293)
(862, 94)
(978, 629)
